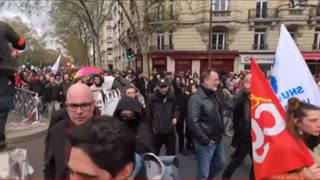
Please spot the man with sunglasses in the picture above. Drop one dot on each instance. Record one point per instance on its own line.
(80, 107)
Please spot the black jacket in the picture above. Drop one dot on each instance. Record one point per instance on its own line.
(160, 111)
(311, 141)
(58, 116)
(152, 84)
(57, 152)
(141, 85)
(144, 142)
(241, 119)
(8, 35)
(53, 92)
(205, 118)
(42, 90)
(181, 99)
(65, 86)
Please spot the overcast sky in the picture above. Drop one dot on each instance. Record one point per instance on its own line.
(39, 22)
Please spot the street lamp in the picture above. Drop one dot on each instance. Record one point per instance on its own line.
(210, 34)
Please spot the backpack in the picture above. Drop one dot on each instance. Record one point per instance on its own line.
(157, 167)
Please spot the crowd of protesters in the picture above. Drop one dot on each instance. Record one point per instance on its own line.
(113, 125)
(159, 102)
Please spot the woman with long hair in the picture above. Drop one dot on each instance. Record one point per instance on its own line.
(303, 122)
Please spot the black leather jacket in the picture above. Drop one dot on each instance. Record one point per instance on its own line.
(241, 119)
(205, 118)
(8, 35)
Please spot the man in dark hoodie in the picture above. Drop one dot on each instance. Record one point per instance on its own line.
(129, 111)
(162, 114)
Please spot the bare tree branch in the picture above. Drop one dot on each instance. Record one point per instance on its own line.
(89, 17)
(137, 11)
(74, 4)
(135, 32)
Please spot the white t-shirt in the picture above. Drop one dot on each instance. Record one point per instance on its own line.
(108, 100)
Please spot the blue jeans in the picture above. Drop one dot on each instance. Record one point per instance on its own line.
(210, 160)
(137, 165)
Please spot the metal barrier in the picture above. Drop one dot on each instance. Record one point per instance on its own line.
(27, 103)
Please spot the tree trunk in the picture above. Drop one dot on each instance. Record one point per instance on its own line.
(86, 47)
(98, 52)
(145, 62)
(94, 52)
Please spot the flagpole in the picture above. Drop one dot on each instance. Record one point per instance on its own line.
(210, 34)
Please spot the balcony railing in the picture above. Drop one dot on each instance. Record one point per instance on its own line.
(298, 12)
(316, 46)
(263, 13)
(222, 13)
(259, 46)
(165, 16)
(219, 46)
(161, 48)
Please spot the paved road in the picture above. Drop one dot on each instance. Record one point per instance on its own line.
(187, 164)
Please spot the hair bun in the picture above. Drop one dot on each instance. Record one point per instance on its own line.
(293, 104)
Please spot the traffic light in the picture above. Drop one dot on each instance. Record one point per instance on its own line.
(129, 54)
(28, 63)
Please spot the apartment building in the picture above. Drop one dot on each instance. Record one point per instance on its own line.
(263, 29)
(121, 42)
(106, 44)
(240, 29)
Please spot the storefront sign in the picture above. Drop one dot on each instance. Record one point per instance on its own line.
(183, 62)
(159, 62)
(214, 61)
(260, 58)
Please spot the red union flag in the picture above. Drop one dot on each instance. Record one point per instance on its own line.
(275, 150)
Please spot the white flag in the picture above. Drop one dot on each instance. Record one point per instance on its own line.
(55, 67)
(291, 76)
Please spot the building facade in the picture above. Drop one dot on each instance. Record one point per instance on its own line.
(178, 34)
(106, 44)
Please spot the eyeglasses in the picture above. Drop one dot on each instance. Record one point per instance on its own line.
(83, 106)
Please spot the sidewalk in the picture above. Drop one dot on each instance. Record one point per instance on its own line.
(18, 132)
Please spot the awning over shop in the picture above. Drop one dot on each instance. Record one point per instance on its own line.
(311, 55)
